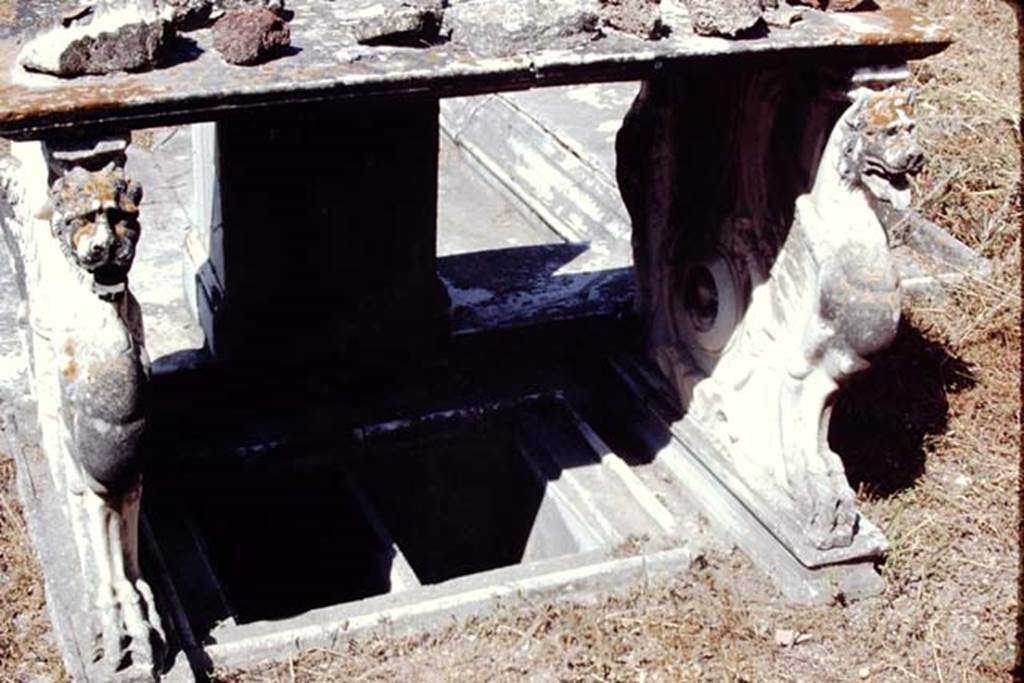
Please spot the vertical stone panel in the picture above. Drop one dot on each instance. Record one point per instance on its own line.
(328, 241)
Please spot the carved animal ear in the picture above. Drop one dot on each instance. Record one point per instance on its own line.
(852, 117)
(132, 197)
(859, 95)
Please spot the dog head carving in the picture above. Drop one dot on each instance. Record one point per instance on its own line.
(880, 150)
(96, 218)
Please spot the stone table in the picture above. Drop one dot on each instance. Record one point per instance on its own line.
(753, 171)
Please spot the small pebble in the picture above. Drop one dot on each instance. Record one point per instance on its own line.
(785, 637)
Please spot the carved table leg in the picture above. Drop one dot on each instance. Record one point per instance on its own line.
(764, 278)
(76, 240)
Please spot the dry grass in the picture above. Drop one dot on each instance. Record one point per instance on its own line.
(941, 476)
(27, 651)
(8, 11)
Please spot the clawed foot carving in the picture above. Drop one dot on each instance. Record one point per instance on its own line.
(128, 633)
(828, 507)
(838, 520)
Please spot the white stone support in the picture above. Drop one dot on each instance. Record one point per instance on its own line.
(764, 278)
(74, 231)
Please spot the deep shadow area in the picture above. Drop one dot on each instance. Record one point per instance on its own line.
(523, 285)
(284, 540)
(882, 420)
(426, 34)
(880, 426)
(180, 50)
(457, 500)
(509, 267)
(273, 532)
(267, 491)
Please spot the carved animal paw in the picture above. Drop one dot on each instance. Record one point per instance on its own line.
(833, 520)
(130, 635)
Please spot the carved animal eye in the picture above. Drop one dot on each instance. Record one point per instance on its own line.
(125, 230)
(892, 129)
(83, 217)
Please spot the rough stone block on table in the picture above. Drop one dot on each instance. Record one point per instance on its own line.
(501, 28)
(89, 43)
(724, 17)
(639, 17)
(250, 35)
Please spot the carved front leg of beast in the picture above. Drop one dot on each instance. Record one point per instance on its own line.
(97, 342)
(854, 305)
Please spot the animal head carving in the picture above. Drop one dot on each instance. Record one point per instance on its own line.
(880, 149)
(96, 218)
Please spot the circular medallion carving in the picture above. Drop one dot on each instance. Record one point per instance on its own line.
(711, 307)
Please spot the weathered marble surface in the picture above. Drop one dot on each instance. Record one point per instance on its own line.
(326, 64)
(778, 281)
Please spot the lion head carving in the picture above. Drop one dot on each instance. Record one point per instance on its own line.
(880, 149)
(96, 219)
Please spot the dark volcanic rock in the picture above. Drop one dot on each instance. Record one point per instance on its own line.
(132, 48)
(504, 27)
(250, 35)
(639, 17)
(136, 46)
(724, 17)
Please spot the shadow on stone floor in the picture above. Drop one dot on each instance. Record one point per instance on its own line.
(883, 420)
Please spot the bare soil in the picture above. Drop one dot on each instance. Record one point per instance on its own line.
(930, 436)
